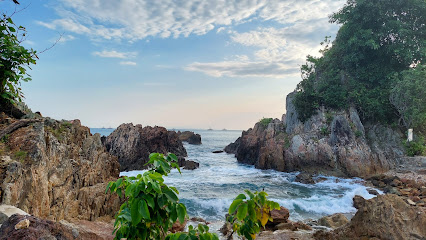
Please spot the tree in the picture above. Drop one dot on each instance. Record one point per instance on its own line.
(377, 39)
(14, 58)
(408, 95)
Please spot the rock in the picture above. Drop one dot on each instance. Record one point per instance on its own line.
(330, 142)
(305, 178)
(133, 144)
(293, 226)
(22, 224)
(178, 226)
(383, 217)
(372, 191)
(358, 201)
(190, 165)
(218, 151)
(333, 221)
(6, 211)
(278, 216)
(62, 160)
(190, 137)
(35, 228)
(409, 201)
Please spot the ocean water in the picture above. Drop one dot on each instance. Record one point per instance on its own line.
(208, 191)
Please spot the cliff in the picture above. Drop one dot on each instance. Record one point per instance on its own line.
(330, 142)
(56, 170)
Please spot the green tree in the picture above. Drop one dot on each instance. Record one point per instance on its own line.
(408, 95)
(14, 59)
(377, 39)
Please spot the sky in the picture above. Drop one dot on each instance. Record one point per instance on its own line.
(174, 63)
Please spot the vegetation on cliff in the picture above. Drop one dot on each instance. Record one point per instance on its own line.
(378, 50)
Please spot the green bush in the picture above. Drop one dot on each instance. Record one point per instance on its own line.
(358, 133)
(247, 216)
(264, 122)
(20, 155)
(201, 233)
(416, 147)
(324, 131)
(151, 207)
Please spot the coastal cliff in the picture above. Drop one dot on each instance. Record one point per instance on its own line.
(330, 142)
(56, 170)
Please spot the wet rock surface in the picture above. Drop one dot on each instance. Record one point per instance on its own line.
(133, 144)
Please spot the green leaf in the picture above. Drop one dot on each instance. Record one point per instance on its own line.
(241, 196)
(12, 29)
(242, 211)
(234, 206)
(108, 186)
(118, 182)
(170, 195)
(156, 187)
(150, 200)
(181, 212)
(251, 195)
(143, 209)
(173, 157)
(135, 212)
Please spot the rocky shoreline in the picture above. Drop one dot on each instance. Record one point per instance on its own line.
(57, 172)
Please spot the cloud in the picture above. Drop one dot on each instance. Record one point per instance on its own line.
(64, 38)
(129, 63)
(137, 19)
(115, 54)
(243, 69)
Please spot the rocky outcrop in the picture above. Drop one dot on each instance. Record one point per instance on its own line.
(383, 217)
(333, 221)
(7, 210)
(57, 170)
(133, 144)
(36, 228)
(330, 142)
(190, 137)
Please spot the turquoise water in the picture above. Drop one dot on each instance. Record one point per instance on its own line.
(209, 190)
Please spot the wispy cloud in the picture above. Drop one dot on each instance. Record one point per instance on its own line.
(129, 63)
(115, 54)
(243, 69)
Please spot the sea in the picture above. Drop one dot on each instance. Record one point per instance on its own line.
(209, 190)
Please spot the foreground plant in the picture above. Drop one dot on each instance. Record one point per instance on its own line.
(151, 207)
(247, 216)
(201, 233)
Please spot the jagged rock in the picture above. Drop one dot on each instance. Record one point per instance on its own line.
(383, 217)
(59, 160)
(35, 228)
(190, 137)
(133, 144)
(279, 216)
(333, 221)
(293, 226)
(333, 143)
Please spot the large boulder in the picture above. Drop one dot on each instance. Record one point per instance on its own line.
(133, 144)
(190, 137)
(35, 228)
(46, 167)
(383, 217)
(333, 221)
(7, 210)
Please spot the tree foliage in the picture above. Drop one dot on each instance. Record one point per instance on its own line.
(248, 215)
(14, 58)
(408, 95)
(376, 40)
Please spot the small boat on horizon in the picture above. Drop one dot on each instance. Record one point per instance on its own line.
(210, 129)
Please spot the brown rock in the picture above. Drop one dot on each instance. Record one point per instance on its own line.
(333, 221)
(190, 137)
(25, 223)
(293, 226)
(383, 217)
(45, 229)
(133, 144)
(190, 165)
(279, 216)
(305, 178)
(62, 159)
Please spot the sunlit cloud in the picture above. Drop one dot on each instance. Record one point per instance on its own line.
(115, 54)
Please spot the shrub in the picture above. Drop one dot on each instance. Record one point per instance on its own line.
(324, 131)
(264, 122)
(416, 147)
(202, 232)
(151, 207)
(247, 216)
(358, 133)
(20, 155)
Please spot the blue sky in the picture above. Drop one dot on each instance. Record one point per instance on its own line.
(172, 63)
